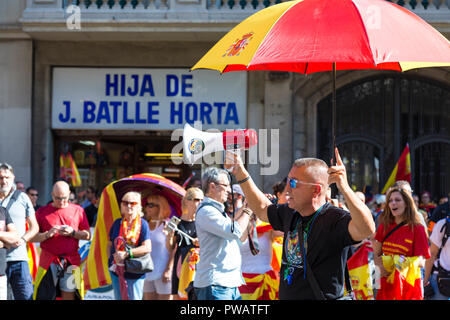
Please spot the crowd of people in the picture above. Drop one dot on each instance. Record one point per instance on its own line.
(232, 241)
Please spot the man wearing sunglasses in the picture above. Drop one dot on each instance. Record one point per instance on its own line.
(218, 274)
(61, 226)
(313, 228)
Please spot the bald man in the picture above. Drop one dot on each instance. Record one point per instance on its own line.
(61, 226)
(313, 228)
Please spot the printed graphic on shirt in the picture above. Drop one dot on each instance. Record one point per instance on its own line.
(293, 249)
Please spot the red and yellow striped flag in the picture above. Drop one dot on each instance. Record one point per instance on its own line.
(96, 273)
(402, 170)
(68, 169)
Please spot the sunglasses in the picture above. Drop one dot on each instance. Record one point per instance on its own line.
(151, 205)
(293, 183)
(130, 203)
(34, 194)
(61, 198)
(195, 199)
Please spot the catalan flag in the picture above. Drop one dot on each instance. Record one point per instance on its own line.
(402, 170)
(33, 256)
(68, 169)
(404, 281)
(264, 286)
(96, 273)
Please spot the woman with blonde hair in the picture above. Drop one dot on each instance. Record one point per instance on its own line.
(157, 285)
(179, 243)
(135, 231)
(400, 233)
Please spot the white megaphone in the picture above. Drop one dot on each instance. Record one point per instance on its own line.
(197, 143)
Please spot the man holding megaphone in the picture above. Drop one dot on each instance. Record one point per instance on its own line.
(317, 235)
(218, 274)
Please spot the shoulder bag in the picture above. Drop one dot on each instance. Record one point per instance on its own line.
(141, 264)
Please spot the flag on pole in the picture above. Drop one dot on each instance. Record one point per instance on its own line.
(68, 169)
(402, 170)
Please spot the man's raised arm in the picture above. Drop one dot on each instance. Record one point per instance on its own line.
(256, 199)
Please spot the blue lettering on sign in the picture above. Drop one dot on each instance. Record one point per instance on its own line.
(88, 112)
(138, 112)
(171, 85)
(191, 112)
(108, 112)
(151, 112)
(174, 85)
(205, 112)
(185, 85)
(131, 85)
(103, 112)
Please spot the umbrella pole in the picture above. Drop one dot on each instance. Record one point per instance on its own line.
(333, 115)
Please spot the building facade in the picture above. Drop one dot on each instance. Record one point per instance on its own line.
(109, 82)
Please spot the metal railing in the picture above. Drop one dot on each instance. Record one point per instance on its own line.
(225, 4)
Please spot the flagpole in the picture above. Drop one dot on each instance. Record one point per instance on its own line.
(333, 115)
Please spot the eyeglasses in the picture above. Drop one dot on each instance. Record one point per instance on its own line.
(34, 194)
(195, 199)
(151, 205)
(130, 203)
(293, 183)
(222, 184)
(61, 198)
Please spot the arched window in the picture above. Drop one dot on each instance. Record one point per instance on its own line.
(377, 116)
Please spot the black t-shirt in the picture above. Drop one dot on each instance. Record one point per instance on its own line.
(327, 247)
(184, 245)
(5, 219)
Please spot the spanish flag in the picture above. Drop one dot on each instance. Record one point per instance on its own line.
(402, 170)
(96, 273)
(361, 273)
(187, 273)
(68, 169)
(404, 281)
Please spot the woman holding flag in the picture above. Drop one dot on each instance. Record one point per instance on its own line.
(399, 248)
(136, 233)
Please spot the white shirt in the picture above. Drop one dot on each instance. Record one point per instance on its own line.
(260, 263)
(220, 257)
(436, 238)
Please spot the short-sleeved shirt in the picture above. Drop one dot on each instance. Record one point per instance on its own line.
(73, 215)
(326, 250)
(436, 238)
(114, 233)
(5, 219)
(406, 241)
(20, 210)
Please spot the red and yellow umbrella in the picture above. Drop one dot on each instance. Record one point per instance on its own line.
(309, 36)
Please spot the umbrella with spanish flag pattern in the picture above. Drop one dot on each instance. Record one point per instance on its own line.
(96, 273)
(310, 36)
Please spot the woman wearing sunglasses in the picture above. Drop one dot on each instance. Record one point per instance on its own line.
(181, 244)
(158, 285)
(135, 231)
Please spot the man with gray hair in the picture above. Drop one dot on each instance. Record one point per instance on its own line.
(317, 235)
(21, 211)
(219, 273)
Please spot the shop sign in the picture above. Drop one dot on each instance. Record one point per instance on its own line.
(147, 99)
